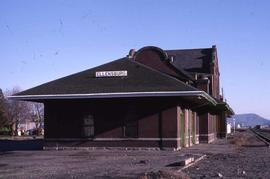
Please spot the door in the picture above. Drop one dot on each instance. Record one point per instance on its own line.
(130, 128)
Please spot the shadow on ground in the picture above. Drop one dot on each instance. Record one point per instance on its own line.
(12, 145)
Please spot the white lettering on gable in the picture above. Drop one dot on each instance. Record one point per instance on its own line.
(111, 73)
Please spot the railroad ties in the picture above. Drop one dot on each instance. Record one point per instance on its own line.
(262, 135)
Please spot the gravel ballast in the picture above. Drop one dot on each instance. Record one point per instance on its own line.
(240, 156)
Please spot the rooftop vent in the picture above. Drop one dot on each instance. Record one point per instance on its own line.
(131, 53)
(171, 58)
(202, 77)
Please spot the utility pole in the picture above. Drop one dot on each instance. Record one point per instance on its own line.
(233, 125)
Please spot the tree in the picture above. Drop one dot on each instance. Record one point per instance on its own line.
(3, 117)
(14, 112)
(38, 113)
(17, 111)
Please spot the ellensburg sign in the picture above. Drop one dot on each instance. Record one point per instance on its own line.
(111, 73)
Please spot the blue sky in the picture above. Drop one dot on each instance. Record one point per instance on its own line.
(45, 40)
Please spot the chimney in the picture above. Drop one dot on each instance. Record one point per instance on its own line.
(131, 53)
(203, 83)
(214, 52)
(171, 59)
(196, 76)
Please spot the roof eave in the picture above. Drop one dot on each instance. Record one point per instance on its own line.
(115, 95)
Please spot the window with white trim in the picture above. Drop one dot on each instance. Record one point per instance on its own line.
(88, 126)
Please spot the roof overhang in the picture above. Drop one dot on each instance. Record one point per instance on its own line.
(199, 94)
(217, 109)
(225, 107)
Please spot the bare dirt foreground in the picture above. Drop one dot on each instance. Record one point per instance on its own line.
(250, 158)
(241, 156)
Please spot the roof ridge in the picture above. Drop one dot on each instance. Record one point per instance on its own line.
(182, 71)
(188, 49)
(163, 74)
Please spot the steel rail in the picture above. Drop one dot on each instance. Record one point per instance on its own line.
(262, 137)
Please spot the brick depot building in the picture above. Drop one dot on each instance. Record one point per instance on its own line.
(151, 98)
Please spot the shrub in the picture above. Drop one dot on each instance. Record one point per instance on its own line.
(5, 131)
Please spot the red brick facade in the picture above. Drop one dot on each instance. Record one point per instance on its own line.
(155, 104)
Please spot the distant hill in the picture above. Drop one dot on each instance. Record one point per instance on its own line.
(249, 120)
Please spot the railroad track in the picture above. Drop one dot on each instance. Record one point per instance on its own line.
(263, 136)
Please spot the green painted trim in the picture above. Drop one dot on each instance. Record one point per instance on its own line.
(182, 127)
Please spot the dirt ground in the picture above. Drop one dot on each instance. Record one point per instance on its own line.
(250, 158)
(84, 164)
(241, 156)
